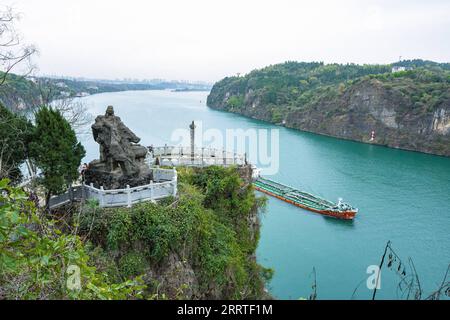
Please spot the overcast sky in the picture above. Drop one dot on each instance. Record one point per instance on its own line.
(210, 39)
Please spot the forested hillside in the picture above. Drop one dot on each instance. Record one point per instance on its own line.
(21, 93)
(407, 109)
(18, 93)
(200, 245)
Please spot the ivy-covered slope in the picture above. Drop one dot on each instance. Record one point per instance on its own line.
(39, 260)
(408, 109)
(200, 245)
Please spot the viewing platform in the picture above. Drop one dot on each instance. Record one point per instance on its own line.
(164, 185)
(193, 156)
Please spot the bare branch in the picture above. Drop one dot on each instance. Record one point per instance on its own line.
(12, 51)
(75, 112)
(72, 109)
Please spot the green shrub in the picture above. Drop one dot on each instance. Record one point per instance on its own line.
(39, 261)
(56, 150)
(132, 264)
(207, 225)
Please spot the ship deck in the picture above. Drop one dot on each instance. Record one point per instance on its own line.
(298, 197)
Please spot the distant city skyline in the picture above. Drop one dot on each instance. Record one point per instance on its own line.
(125, 79)
(206, 41)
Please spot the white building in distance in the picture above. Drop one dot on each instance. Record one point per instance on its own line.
(398, 69)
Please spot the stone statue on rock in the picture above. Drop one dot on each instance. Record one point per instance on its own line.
(122, 159)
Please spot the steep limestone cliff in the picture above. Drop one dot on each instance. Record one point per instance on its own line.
(408, 110)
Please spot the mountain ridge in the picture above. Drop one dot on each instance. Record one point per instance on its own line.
(19, 93)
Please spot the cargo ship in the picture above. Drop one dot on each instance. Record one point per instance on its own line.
(340, 210)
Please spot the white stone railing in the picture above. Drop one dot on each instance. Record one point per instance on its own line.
(182, 156)
(164, 182)
(163, 186)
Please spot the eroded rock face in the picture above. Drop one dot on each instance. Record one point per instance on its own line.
(441, 121)
(121, 160)
(354, 113)
(176, 278)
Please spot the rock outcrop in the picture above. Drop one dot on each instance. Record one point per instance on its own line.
(369, 106)
(400, 114)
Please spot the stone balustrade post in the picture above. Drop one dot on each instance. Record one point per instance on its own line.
(102, 195)
(152, 190)
(128, 196)
(175, 182)
(203, 154)
(70, 191)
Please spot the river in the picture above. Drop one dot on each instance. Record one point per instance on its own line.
(402, 196)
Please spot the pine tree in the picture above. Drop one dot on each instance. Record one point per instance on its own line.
(15, 134)
(55, 150)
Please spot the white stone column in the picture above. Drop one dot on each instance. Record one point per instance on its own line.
(128, 196)
(101, 193)
(152, 192)
(175, 182)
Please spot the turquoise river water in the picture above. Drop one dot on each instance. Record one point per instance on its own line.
(402, 196)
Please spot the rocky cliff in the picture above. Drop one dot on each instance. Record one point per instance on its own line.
(408, 110)
(200, 245)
